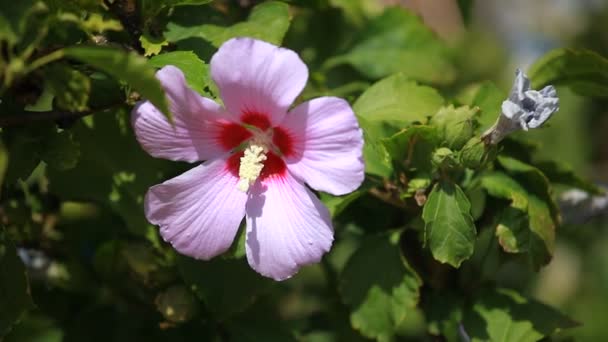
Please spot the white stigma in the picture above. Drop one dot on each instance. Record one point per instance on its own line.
(252, 163)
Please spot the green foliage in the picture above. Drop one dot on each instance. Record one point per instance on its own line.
(449, 226)
(398, 41)
(586, 72)
(380, 301)
(505, 315)
(194, 69)
(268, 21)
(422, 247)
(125, 66)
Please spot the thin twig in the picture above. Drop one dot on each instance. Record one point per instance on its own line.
(387, 197)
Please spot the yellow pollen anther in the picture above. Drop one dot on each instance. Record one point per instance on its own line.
(252, 163)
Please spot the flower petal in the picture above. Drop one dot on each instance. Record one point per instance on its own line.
(198, 212)
(197, 122)
(257, 77)
(287, 227)
(327, 144)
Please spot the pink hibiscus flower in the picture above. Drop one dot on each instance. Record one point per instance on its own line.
(258, 156)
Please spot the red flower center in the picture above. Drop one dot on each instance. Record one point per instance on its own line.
(256, 126)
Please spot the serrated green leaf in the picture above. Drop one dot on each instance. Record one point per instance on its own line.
(194, 69)
(505, 315)
(71, 87)
(376, 158)
(584, 71)
(268, 21)
(456, 125)
(533, 180)
(379, 301)
(538, 238)
(227, 286)
(15, 297)
(397, 98)
(126, 66)
(449, 226)
(400, 144)
(398, 41)
(500, 185)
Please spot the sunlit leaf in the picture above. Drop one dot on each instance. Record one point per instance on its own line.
(505, 315)
(449, 226)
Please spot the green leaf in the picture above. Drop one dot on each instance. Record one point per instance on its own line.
(397, 98)
(379, 301)
(152, 46)
(448, 224)
(60, 151)
(488, 98)
(152, 8)
(560, 173)
(226, 286)
(71, 87)
(513, 230)
(412, 147)
(398, 41)
(36, 328)
(268, 21)
(4, 162)
(538, 239)
(15, 298)
(337, 204)
(105, 144)
(376, 158)
(456, 125)
(584, 71)
(194, 69)
(500, 185)
(122, 65)
(533, 180)
(505, 315)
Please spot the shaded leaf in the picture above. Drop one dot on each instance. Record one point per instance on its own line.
(379, 301)
(227, 286)
(268, 21)
(561, 173)
(398, 41)
(584, 71)
(449, 226)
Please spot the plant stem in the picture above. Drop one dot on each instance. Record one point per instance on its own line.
(51, 57)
